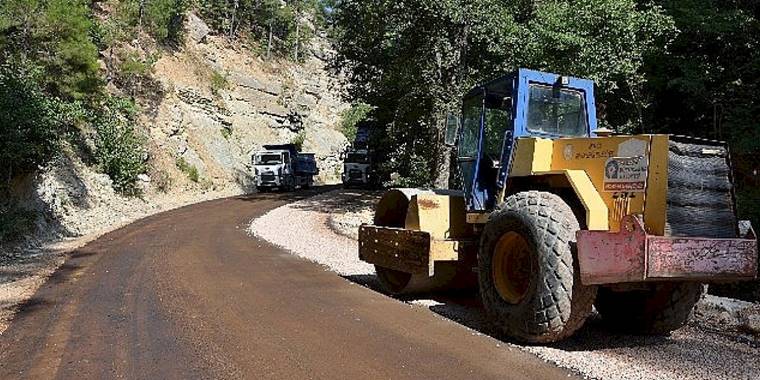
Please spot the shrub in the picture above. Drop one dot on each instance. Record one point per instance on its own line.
(30, 122)
(162, 19)
(119, 149)
(299, 139)
(162, 180)
(258, 19)
(226, 132)
(351, 117)
(134, 71)
(218, 82)
(190, 170)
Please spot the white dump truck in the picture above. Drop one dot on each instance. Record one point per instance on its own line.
(357, 168)
(283, 167)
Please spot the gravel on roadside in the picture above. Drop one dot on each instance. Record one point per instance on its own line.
(713, 346)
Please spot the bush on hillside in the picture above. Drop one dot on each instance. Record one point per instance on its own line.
(190, 170)
(298, 140)
(119, 149)
(162, 19)
(30, 122)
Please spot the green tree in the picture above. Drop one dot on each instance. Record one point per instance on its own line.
(351, 117)
(30, 122)
(56, 35)
(162, 19)
(705, 84)
(412, 60)
(277, 27)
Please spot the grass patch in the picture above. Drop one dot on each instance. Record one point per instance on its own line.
(190, 170)
(226, 132)
(218, 82)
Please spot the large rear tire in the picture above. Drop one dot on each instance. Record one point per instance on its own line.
(658, 310)
(529, 279)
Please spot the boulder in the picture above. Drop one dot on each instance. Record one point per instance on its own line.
(306, 101)
(751, 322)
(197, 28)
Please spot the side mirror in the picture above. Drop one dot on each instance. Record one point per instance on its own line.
(452, 129)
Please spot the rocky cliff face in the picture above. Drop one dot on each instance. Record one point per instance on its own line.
(211, 104)
(260, 102)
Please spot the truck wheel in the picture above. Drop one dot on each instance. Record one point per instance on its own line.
(658, 311)
(289, 186)
(528, 275)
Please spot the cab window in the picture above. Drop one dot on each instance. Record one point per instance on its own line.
(468, 144)
(498, 119)
(559, 112)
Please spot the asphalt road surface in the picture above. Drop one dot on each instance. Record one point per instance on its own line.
(187, 294)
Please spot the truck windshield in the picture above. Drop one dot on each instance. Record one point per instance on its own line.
(560, 113)
(268, 159)
(355, 158)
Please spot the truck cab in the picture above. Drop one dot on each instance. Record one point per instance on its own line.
(357, 168)
(271, 168)
(283, 167)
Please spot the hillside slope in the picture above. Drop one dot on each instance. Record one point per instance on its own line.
(209, 105)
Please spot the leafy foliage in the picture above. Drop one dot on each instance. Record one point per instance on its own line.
(15, 222)
(162, 19)
(351, 117)
(30, 122)
(119, 149)
(54, 34)
(266, 21)
(298, 140)
(218, 82)
(190, 170)
(133, 73)
(412, 60)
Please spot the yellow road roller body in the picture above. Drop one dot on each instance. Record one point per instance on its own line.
(551, 216)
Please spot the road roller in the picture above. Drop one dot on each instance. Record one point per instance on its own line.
(550, 216)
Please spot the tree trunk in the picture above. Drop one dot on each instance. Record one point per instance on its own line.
(233, 18)
(441, 177)
(141, 14)
(298, 30)
(269, 43)
(443, 167)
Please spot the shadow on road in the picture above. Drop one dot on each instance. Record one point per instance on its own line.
(465, 308)
(360, 200)
(293, 196)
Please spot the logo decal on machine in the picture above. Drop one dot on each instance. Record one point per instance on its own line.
(626, 174)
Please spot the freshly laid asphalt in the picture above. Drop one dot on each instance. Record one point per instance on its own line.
(188, 294)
